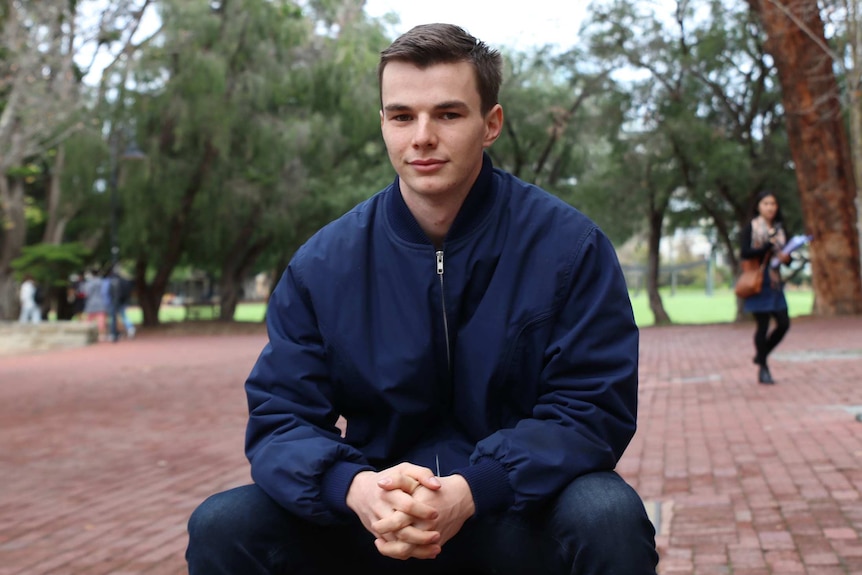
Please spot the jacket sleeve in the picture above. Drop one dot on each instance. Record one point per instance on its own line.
(586, 412)
(296, 451)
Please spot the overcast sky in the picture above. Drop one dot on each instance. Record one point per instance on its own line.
(499, 23)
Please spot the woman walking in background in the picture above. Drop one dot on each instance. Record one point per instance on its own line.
(763, 239)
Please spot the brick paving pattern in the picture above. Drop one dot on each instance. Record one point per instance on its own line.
(105, 450)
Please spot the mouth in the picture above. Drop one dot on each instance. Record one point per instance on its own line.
(427, 166)
(424, 163)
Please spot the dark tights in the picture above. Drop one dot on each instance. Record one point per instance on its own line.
(763, 343)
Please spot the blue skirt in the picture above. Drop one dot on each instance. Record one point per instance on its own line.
(770, 299)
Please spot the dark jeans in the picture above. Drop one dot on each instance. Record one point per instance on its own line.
(597, 526)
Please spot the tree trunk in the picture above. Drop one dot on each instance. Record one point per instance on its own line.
(149, 300)
(236, 267)
(818, 144)
(654, 243)
(229, 296)
(150, 296)
(55, 227)
(13, 233)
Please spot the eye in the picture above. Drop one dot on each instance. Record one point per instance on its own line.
(401, 118)
(450, 115)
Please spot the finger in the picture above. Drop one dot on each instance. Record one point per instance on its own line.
(421, 474)
(416, 509)
(416, 536)
(393, 522)
(394, 549)
(431, 482)
(401, 550)
(398, 520)
(413, 513)
(405, 483)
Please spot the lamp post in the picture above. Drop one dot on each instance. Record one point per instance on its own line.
(113, 186)
(132, 153)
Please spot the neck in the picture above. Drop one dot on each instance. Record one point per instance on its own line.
(435, 215)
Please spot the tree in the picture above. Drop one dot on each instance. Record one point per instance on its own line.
(707, 104)
(37, 102)
(734, 144)
(821, 154)
(550, 104)
(324, 114)
(214, 63)
(40, 109)
(244, 110)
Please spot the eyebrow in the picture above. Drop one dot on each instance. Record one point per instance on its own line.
(448, 105)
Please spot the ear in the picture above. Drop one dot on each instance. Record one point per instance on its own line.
(381, 118)
(493, 125)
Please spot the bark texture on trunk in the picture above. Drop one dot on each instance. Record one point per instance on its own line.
(13, 232)
(656, 305)
(818, 143)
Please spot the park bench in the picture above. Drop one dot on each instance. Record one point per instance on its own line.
(195, 308)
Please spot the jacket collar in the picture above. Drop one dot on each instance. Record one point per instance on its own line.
(473, 211)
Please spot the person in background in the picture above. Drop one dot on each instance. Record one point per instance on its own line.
(763, 239)
(76, 296)
(122, 289)
(476, 334)
(95, 305)
(30, 312)
(110, 289)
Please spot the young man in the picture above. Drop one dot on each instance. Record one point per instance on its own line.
(476, 334)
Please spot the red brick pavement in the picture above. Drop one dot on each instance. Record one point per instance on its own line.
(105, 451)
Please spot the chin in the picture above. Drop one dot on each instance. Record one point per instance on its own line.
(428, 188)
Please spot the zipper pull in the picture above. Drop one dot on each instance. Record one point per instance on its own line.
(440, 263)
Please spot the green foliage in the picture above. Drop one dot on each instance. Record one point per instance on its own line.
(224, 76)
(28, 172)
(259, 120)
(705, 111)
(84, 201)
(51, 264)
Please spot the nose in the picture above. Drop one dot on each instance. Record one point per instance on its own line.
(425, 136)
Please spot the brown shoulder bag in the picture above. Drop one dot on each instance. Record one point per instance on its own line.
(750, 281)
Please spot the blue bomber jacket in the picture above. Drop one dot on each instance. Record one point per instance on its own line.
(508, 356)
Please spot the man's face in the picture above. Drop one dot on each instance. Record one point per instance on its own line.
(434, 129)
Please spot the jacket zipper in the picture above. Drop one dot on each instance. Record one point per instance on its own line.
(446, 330)
(443, 305)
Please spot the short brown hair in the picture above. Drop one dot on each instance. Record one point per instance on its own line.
(430, 44)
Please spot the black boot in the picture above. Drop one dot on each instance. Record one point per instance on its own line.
(764, 376)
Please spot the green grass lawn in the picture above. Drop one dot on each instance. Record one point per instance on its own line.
(686, 306)
(694, 306)
(249, 311)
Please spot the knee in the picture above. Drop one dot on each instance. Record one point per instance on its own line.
(224, 516)
(602, 506)
(211, 520)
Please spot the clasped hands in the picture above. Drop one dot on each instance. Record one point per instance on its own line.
(410, 511)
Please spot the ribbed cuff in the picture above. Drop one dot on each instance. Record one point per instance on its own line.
(489, 484)
(336, 482)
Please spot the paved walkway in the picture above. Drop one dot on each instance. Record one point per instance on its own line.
(105, 451)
